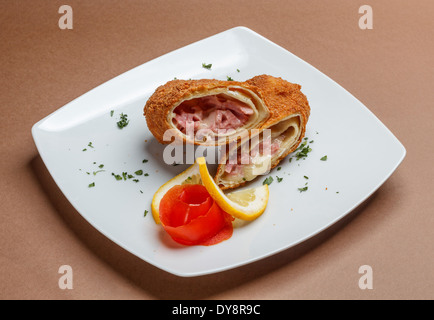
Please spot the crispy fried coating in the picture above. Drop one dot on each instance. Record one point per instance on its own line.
(282, 98)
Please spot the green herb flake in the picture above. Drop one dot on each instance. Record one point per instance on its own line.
(306, 177)
(123, 122)
(117, 177)
(95, 172)
(90, 145)
(146, 174)
(92, 185)
(302, 189)
(145, 161)
(111, 113)
(101, 166)
(146, 212)
(141, 191)
(268, 181)
(207, 66)
(229, 78)
(324, 158)
(136, 180)
(138, 172)
(84, 149)
(279, 168)
(124, 175)
(304, 150)
(279, 179)
(238, 70)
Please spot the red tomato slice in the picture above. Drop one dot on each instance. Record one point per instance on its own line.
(223, 234)
(191, 217)
(194, 201)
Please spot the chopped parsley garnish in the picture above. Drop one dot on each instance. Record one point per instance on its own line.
(302, 189)
(136, 180)
(324, 158)
(90, 145)
(279, 168)
(101, 166)
(123, 122)
(229, 78)
(304, 150)
(146, 174)
(111, 113)
(145, 160)
(268, 181)
(117, 177)
(207, 66)
(238, 70)
(306, 177)
(92, 185)
(279, 179)
(124, 175)
(138, 172)
(84, 149)
(95, 172)
(146, 212)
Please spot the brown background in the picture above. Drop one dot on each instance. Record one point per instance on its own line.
(390, 69)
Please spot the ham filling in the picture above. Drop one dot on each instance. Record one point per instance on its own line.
(217, 113)
(235, 169)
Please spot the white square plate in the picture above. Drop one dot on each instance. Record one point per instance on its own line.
(361, 154)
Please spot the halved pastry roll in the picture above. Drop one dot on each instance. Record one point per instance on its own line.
(264, 149)
(204, 112)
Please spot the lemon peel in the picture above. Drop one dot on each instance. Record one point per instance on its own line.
(246, 204)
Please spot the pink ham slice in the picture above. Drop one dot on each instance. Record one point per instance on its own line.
(211, 112)
(244, 158)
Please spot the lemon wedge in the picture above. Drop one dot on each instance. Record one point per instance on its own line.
(247, 204)
(189, 176)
